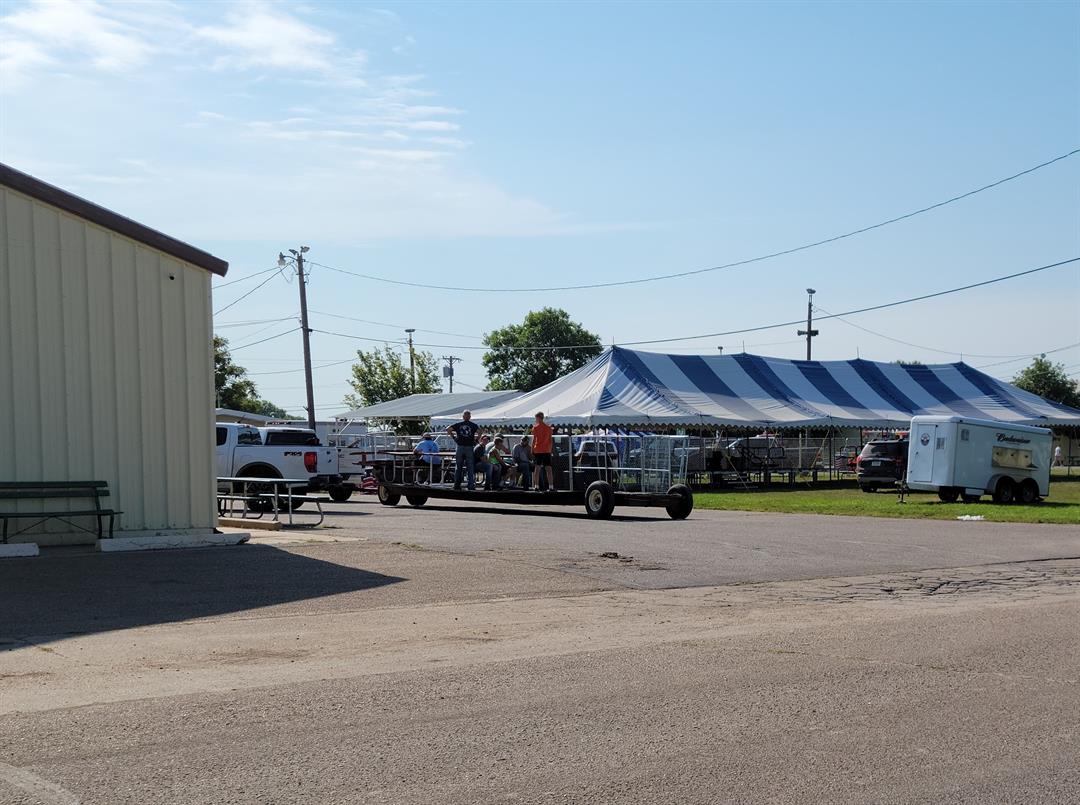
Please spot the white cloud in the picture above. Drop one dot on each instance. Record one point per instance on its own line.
(47, 32)
(433, 125)
(260, 36)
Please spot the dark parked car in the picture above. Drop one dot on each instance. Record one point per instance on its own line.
(882, 462)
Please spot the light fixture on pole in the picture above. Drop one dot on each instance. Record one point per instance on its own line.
(298, 258)
(412, 359)
(809, 332)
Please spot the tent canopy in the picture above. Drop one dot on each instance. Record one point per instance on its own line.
(426, 406)
(631, 388)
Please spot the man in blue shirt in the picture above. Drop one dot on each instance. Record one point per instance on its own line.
(464, 433)
(427, 449)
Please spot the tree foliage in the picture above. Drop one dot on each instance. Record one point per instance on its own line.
(382, 374)
(1049, 380)
(511, 367)
(232, 387)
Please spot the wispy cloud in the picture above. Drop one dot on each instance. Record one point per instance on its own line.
(260, 36)
(265, 102)
(46, 32)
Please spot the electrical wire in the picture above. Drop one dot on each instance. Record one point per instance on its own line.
(698, 271)
(264, 340)
(251, 323)
(1029, 355)
(919, 346)
(759, 328)
(294, 371)
(245, 296)
(245, 279)
(394, 326)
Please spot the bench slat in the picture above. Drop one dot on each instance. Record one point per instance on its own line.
(27, 515)
(25, 494)
(51, 484)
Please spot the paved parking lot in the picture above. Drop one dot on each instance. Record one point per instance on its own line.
(471, 656)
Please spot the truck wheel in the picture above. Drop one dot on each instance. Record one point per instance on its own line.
(681, 508)
(1028, 492)
(948, 494)
(599, 500)
(1005, 491)
(388, 497)
(339, 494)
(416, 500)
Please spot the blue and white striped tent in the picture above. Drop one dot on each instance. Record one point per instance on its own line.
(628, 388)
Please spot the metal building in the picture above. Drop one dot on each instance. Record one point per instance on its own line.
(106, 360)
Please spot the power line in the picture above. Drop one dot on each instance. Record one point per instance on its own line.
(1029, 355)
(245, 296)
(867, 309)
(734, 264)
(293, 371)
(920, 346)
(394, 326)
(245, 279)
(264, 340)
(252, 323)
(862, 309)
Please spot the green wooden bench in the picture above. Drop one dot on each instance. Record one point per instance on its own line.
(89, 492)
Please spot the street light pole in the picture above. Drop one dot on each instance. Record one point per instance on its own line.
(412, 360)
(304, 329)
(809, 332)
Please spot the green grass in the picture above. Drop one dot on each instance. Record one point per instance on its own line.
(1062, 506)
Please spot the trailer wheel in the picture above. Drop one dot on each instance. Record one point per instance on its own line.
(387, 497)
(948, 494)
(599, 500)
(416, 500)
(680, 509)
(1028, 492)
(1005, 491)
(339, 493)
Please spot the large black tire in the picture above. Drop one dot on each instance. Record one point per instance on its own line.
(339, 493)
(1028, 492)
(416, 500)
(680, 509)
(948, 494)
(387, 497)
(599, 500)
(1005, 491)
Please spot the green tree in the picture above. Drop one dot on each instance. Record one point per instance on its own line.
(233, 389)
(1048, 379)
(382, 374)
(510, 366)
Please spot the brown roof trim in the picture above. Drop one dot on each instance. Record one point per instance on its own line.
(25, 183)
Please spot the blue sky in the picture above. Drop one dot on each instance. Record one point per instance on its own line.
(522, 145)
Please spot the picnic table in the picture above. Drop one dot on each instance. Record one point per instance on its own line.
(280, 497)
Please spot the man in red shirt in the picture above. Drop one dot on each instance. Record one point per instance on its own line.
(541, 435)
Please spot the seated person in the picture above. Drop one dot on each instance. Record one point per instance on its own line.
(483, 466)
(427, 450)
(522, 458)
(499, 461)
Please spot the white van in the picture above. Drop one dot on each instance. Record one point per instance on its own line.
(960, 457)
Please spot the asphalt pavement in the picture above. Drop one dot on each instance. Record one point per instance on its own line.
(469, 656)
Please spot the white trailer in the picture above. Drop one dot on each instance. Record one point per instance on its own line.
(957, 456)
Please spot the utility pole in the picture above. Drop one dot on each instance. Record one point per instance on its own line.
(809, 332)
(304, 329)
(448, 371)
(412, 360)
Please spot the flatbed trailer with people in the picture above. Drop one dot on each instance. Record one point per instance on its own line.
(520, 476)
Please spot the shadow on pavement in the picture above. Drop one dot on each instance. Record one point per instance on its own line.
(534, 511)
(54, 597)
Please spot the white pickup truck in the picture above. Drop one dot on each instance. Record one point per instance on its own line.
(245, 452)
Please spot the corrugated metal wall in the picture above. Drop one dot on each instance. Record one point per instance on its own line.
(106, 368)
